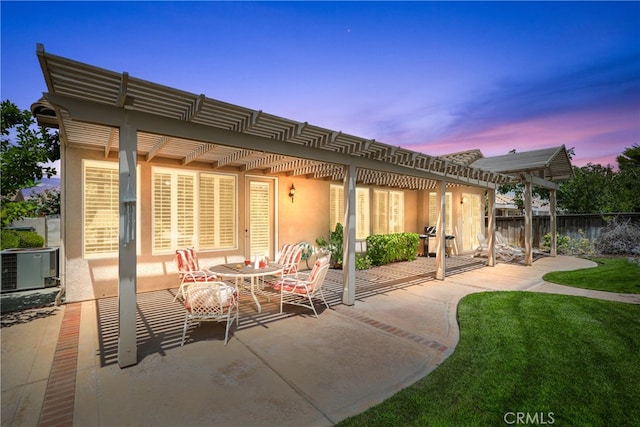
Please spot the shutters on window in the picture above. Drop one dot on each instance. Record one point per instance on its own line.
(434, 207)
(193, 209)
(259, 213)
(336, 207)
(100, 210)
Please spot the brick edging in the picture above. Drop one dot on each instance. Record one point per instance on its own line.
(59, 397)
(435, 345)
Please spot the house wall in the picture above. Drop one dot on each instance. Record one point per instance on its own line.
(303, 219)
(97, 278)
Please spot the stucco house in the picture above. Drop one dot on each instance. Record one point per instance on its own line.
(147, 169)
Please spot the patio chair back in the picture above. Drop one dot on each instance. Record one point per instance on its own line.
(187, 261)
(290, 257)
(189, 270)
(301, 291)
(502, 250)
(210, 301)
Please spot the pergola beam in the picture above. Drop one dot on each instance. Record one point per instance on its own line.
(105, 115)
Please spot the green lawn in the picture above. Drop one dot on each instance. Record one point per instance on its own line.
(611, 274)
(558, 359)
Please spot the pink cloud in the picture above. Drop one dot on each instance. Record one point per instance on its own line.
(597, 136)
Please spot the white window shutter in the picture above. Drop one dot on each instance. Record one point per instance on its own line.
(259, 212)
(362, 213)
(100, 209)
(336, 206)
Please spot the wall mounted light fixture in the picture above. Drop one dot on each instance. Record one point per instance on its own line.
(463, 200)
(292, 192)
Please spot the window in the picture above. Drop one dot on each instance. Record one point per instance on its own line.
(100, 209)
(336, 206)
(193, 209)
(388, 212)
(434, 208)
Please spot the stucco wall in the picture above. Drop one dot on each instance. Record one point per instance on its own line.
(303, 219)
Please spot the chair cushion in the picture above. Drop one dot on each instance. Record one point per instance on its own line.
(208, 297)
(296, 286)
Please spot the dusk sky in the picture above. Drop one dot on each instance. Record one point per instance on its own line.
(435, 77)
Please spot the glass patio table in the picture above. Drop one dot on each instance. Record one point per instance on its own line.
(240, 272)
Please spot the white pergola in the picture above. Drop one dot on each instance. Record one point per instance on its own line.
(137, 121)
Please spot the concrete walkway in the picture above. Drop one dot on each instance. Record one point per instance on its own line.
(276, 370)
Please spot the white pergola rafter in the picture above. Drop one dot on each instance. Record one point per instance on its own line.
(289, 166)
(231, 158)
(262, 162)
(163, 141)
(194, 109)
(113, 133)
(194, 155)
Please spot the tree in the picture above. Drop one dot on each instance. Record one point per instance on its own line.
(593, 190)
(629, 176)
(629, 159)
(23, 161)
(46, 202)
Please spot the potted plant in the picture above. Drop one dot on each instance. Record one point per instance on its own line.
(333, 246)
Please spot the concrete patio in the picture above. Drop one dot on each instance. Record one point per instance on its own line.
(59, 364)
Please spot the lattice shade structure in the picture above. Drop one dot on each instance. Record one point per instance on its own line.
(404, 168)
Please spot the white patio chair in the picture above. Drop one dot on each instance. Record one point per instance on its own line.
(189, 270)
(301, 291)
(210, 302)
(290, 257)
(503, 252)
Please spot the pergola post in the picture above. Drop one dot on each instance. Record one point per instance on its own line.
(552, 221)
(528, 223)
(127, 344)
(440, 240)
(491, 229)
(349, 236)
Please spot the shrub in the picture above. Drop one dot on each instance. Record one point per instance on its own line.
(363, 262)
(565, 245)
(619, 238)
(387, 248)
(30, 239)
(10, 239)
(21, 239)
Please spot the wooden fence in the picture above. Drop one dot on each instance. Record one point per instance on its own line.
(574, 226)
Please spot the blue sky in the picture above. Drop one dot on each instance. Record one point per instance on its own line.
(436, 77)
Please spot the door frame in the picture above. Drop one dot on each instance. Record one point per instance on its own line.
(274, 197)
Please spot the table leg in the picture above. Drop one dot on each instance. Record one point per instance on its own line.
(254, 283)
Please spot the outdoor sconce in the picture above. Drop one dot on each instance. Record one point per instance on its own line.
(292, 192)
(464, 199)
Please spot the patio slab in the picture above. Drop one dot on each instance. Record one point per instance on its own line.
(277, 369)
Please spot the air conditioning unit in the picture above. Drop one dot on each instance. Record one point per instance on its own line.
(29, 268)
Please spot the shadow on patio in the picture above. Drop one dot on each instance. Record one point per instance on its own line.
(160, 320)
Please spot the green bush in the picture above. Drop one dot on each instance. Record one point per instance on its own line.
(565, 245)
(362, 262)
(387, 248)
(30, 239)
(10, 239)
(21, 239)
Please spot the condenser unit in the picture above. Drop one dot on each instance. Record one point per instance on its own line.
(29, 268)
